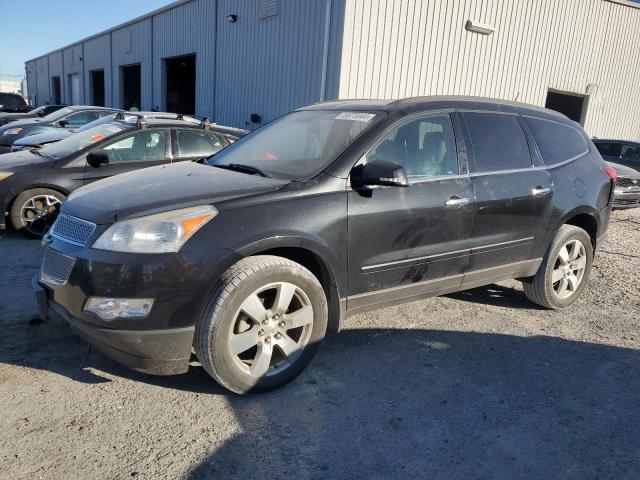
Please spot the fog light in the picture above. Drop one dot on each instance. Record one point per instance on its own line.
(110, 308)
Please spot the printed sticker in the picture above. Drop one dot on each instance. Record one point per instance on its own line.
(356, 116)
(97, 137)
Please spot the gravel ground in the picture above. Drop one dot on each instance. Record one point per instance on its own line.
(480, 384)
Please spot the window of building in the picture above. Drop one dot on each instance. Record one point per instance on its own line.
(425, 147)
(499, 143)
(198, 144)
(556, 142)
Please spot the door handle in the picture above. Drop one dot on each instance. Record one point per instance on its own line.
(539, 191)
(456, 202)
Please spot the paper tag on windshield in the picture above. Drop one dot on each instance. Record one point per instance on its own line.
(356, 116)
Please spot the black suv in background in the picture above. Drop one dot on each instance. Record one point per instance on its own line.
(36, 112)
(67, 117)
(329, 210)
(12, 103)
(33, 184)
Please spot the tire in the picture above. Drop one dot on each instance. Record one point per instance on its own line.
(544, 288)
(40, 202)
(219, 340)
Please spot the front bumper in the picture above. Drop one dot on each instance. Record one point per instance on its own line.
(157, 352)
(626, 198)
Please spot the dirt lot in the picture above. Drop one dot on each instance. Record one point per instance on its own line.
(480, 384)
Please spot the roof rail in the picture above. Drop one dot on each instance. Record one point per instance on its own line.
(205, 124)
(141, 123)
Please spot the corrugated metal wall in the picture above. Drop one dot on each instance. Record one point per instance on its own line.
(130, 45)
(97, 56)
(376, 48)
(271, 65)
(186, 29)
(403, 48)
(72, 60)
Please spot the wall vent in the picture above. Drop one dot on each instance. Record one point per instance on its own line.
(267, 8)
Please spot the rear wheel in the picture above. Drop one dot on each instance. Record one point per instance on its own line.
(564, 271)
(263, 324)
(34, 211)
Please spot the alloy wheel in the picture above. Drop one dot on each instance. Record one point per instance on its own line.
(271, 329)
(38, 213)
(569, 268)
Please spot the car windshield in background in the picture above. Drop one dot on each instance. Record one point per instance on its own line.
(53, 116)
(95, 123)
(299, 145)
(80, 140)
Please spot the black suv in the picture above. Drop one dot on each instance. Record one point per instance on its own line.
(329, 210)
(12, 103)
(34, 183)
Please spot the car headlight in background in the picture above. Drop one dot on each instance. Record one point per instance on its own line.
(13, 131)
(4, 175)
(159, 233)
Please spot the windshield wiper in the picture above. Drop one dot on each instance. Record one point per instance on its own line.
(238, 167)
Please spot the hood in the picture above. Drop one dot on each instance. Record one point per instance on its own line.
(42, 138)
(163, 188)
(621, 170)
(23, 122)
(24, 160)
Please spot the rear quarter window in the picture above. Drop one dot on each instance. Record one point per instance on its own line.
(499, 143)
(557, 142)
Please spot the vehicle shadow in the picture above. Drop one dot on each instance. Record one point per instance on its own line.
(496, 295)
(408, 403)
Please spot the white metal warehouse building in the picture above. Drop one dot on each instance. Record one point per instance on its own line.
(244, 62)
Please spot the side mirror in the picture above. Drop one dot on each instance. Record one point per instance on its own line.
(63, 123)
(379, 172)
(95, 159)
(41, 113)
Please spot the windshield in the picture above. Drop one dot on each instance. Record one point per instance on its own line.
(80, 140)
(95, 123)
(53, 116)
(298, 145)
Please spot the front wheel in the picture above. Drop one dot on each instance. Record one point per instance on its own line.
(564, 271)
(263, 324)
(34, 211)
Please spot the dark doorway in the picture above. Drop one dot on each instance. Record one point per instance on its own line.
(97, 88)
(56, 94)
(573, 105)
(130, 76)
(181, 84)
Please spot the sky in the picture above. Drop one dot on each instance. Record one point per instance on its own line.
(31, 28)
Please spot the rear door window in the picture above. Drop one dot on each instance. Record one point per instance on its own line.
(197, 143)
(499, 143)
(557, 142)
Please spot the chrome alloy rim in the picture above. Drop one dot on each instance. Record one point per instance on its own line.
(271, 329)
(39, 213)
(569, 267)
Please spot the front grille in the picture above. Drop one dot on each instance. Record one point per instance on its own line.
(56, 267)
(72, 230)
(625, 182)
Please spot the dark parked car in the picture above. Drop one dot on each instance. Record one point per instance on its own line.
(73, 117)
(12, 103)
(39, 140)
(33, 184)
(330, 210)
(35, 113)
(622, 152)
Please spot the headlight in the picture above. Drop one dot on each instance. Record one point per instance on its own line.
(13, 131)
(4, 175)
(159, 233)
